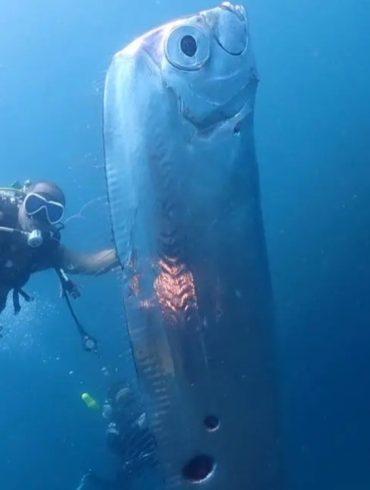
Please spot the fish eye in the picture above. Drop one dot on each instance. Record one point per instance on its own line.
(187, 47)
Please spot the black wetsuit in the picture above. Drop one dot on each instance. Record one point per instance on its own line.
(17, 259)
(129, 438)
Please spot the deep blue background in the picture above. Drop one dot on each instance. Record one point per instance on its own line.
(312, 134)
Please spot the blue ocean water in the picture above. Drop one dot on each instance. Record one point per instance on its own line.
(312, 128)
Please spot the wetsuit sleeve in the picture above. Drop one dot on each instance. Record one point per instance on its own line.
(92, 264)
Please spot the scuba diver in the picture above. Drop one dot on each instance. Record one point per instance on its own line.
(31, 217)
(127, 437)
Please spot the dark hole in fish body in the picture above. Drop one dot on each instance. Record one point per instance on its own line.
(237, 129)
(212, 423)
(198, 468)
(189, 46)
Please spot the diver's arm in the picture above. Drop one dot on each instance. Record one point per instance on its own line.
(92, 264)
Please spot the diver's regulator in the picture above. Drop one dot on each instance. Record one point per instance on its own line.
(34, 238)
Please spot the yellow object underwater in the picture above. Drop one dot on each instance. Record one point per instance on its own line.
(89, 401)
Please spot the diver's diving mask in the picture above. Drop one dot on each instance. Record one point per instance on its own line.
(36, 203)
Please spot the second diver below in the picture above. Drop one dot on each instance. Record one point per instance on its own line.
(31, 218)
(129, 439)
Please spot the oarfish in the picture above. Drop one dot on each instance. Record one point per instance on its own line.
(186, 215)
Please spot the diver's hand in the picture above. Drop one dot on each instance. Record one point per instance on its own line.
(70, 287)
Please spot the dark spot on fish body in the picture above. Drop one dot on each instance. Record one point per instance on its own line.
(237, 128)
(212, 423)
(199, 468)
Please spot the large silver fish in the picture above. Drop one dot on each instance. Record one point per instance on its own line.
(185, 205)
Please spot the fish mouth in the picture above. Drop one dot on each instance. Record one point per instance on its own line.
(231, 114)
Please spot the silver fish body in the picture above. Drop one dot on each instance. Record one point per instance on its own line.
(185, 206)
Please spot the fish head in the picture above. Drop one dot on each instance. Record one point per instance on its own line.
(206, 62)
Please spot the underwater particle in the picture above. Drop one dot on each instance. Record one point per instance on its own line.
(90, 402)
(105, 371)
(141, 420)
(71, 372)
